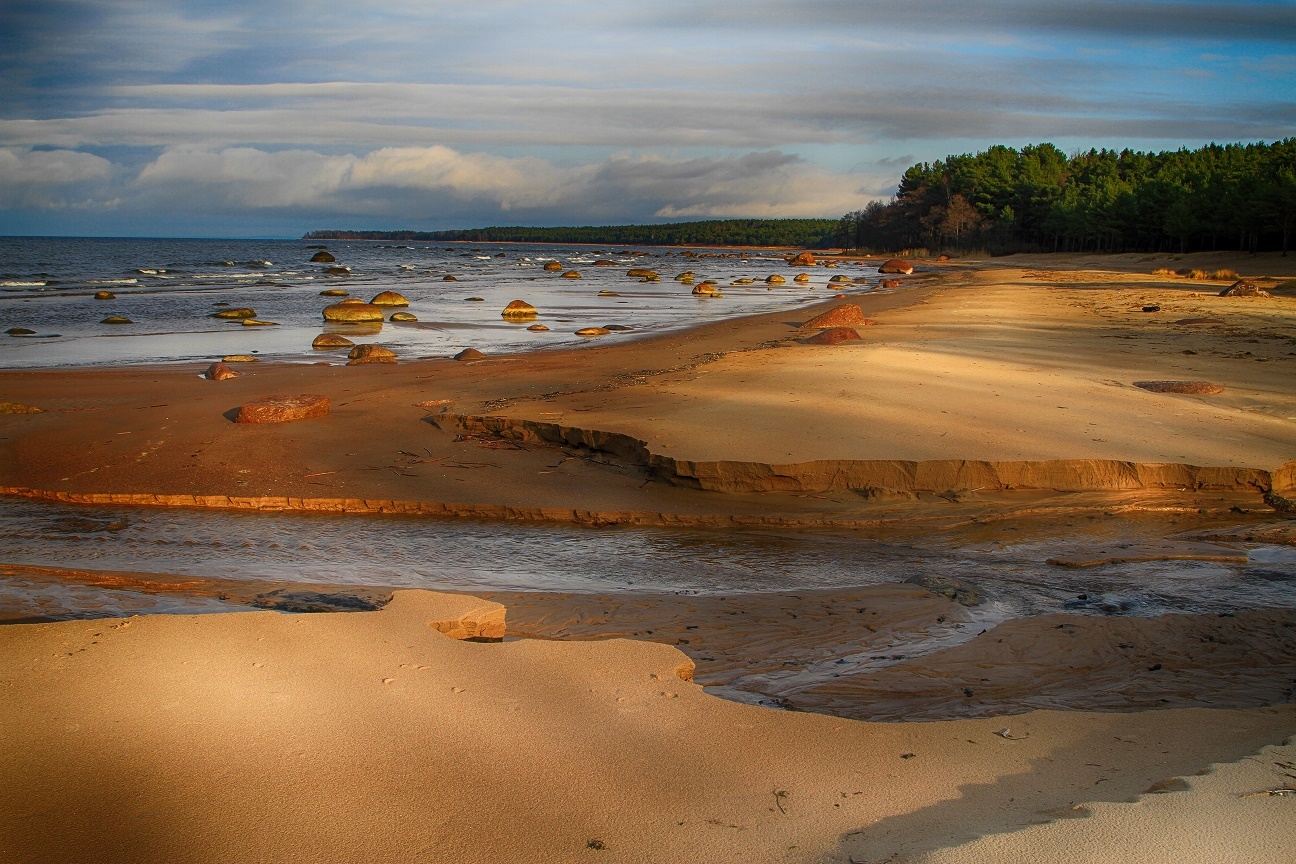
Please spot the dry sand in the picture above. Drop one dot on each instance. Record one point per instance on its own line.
(370, 736)
(984, 394)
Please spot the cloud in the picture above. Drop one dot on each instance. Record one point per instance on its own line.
(402, 183)
(46, 179)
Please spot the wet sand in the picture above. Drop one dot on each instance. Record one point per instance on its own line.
(982, 394)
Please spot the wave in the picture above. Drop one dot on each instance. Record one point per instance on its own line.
(113, 282)
(16, 284)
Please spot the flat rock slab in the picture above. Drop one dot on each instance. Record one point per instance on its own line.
(1141, 553)
(1204, 388)
(281, 409)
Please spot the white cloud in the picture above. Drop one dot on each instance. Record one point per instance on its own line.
(49, 178)
(396, 181)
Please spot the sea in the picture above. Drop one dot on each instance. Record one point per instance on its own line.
(168, 289)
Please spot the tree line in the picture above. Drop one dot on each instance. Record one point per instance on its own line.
(1001, 200)
(810, 233)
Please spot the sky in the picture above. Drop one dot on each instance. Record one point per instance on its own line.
(233, 118)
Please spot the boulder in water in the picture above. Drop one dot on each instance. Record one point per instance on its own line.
(255, 322)
(322, 258)
(334, 292)
(21, 331)
(538, 328)
(234, 314)
(238, 358)
(572, 274)
(325, 341)
(282, 409)
(345, 311)
(388, 298)
(470, 354)
(403, 316)
(774, 279)
(593, 331)
(805, 259)
(105, 295)
(372, 354)
(706, 289)
(116, 319)
(519, 309)
(552, 266)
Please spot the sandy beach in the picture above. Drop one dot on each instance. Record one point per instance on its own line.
(983, 403)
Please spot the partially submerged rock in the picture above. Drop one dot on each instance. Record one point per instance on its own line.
(334, 292)
(403, 316)
(552, 266)
(1201, 388)
(896, 265)
(234, 314)
(834, 336)
(325, 341)
(470, 354)
(519, 309)
(371, 353)
(256, 322)
(801, 277)
(538, 328)
(640, 273)
(239, 358)
(388, 298)
(338, 271)
(593, 331)
(706, 289)
(22, 331)
(105, 295)
(116, 319)
(219, 372)
(322, 258)
(841, 277)
(775, 279)
(282, 409)
(572, 274)
(805, 259)
(345, 311)
(846, 315)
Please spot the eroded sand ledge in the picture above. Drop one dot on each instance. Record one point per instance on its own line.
(371, 736)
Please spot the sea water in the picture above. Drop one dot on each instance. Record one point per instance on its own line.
(169, 289)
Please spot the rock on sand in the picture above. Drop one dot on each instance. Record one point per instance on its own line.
(470, 354)
(219, 372)
(371, 354)
(834, 336)
(1202, 388)
(846, 315)
(281, 409)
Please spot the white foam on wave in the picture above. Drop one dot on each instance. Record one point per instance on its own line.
(114, 282)
(21, 284)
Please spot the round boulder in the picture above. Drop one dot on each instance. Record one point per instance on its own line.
(403, 316)
(470, 354)
(706, 289)
(801, 277)
(325, 341)
(334, 292)
(552, 266)
(21, 331)
(338, 271)
(519, 309)
(572, 274)
(641, 273)
(282, 409)
(835, 336)
(233, 314)
(896, 265)
(805, 259)
(372, 353)
(538, 328)
(593, 331)
(322, 258)
(352, 312)
(774, 279)
(840, 277)
(105, 295)
(449, 279)
(388, 298)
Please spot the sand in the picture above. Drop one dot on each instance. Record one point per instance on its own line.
(983, 396)
(372, 736)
